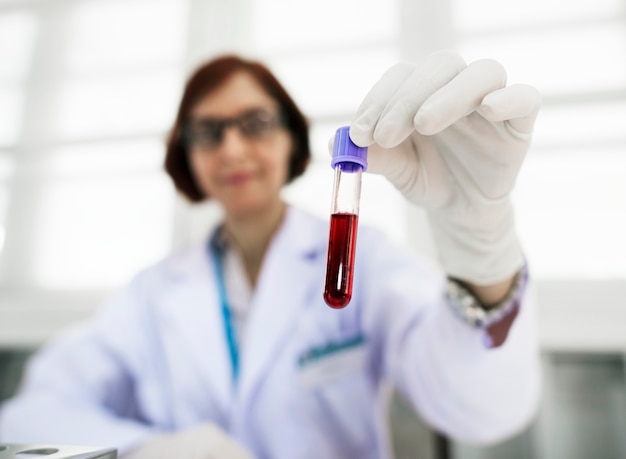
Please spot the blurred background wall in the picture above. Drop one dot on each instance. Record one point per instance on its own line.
(88, 89)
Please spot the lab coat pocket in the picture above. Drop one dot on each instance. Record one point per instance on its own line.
(327, 363)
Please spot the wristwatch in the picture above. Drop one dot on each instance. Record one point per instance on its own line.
(471, 311)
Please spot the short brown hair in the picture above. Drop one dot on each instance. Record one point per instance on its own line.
(205, 79)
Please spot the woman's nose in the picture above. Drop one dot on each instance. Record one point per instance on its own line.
(234, 143)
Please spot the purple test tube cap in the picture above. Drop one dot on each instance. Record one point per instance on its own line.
(346, 152)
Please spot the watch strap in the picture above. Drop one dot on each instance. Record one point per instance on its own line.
(495, 320)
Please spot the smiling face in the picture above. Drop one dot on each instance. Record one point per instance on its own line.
(244, 172)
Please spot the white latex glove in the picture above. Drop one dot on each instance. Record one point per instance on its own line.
(452, 138)
(206, 441)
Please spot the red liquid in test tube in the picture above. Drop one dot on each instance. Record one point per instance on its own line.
(349, 162)
(340, 264)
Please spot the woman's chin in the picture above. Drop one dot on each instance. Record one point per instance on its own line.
(243, 209)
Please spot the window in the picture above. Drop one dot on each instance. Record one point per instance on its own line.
(100, 97)
(18, 30)
(570, 195)
(6, 172)
(97, 202)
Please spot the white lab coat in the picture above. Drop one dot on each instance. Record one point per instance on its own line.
(155, 358)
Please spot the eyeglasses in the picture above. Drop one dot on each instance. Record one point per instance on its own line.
(253, 125)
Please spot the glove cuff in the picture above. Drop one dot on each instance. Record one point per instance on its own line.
(479, 246)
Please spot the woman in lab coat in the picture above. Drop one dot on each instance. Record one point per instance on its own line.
(226, 348)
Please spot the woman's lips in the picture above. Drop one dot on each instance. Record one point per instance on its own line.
(237, 178)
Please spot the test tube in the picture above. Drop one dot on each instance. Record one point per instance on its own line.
(349, 162)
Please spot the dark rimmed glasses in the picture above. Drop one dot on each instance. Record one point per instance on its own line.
(254, 124)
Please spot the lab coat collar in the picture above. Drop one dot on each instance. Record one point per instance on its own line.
(283, 289)
(301, 233)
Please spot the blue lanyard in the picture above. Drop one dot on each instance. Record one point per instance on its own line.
(229, 328)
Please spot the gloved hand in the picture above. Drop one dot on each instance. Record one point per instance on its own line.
(452, 138)
(206, 441)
